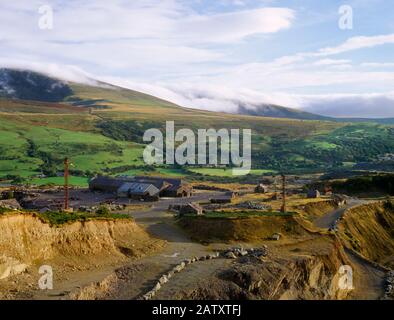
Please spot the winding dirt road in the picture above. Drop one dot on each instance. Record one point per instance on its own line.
(146, 271)
(368, 279)
(328, 220)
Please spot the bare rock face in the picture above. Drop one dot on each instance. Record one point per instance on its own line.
(25, 239)
(389, 286)
(217, 290)
(297, 277)
(10, 266)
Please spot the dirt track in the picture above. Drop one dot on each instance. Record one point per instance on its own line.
(368, 279)
(161, 224)
(327, 221)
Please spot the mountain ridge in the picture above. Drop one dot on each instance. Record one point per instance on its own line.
(35, 86)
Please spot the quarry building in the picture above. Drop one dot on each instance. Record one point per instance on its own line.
(142, 187)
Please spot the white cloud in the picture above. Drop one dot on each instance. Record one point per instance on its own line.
(330, 62)
(228, 99)
(146, 39)
(233, 26)
(225, 99)
(357, 43)
(377, 64)
(103, 21)
(62, 72)
(372, 105)
(168, 49)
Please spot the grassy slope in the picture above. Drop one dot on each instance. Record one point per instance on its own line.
(61, 130)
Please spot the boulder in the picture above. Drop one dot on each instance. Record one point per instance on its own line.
(157, 287)
(149, 295)
(163, 279)
(231, 255)
(179, 268)
(10, 267)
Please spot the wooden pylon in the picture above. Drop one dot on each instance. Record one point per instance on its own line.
(66, 165)
(283, 208)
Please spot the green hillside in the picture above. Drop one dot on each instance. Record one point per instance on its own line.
(100, 130)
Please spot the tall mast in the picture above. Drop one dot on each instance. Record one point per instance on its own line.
(66, 164)
(283, 209)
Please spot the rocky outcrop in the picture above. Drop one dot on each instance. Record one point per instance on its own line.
(11, 204)
(26, 240)
(389, 286)
(306, 276)
(368, 230)
(232, 253)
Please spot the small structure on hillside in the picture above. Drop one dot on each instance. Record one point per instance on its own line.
(328, 191)
(10, 204)
(105, 184)
(169, 187)
(276, 236)
(261, 188)
(313, 194)
(44, 210)
(339, 200)
(231, 194)
(191, 208)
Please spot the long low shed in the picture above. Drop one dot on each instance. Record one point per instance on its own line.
(129, 186)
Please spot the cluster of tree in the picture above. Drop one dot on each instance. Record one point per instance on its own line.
(382, 183)
(126, 130)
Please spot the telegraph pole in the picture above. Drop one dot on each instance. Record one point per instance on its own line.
(66, 165)
(283, 209)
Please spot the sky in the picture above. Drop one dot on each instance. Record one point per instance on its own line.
(215, 55)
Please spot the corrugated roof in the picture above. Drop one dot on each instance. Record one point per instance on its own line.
(136, 188)
(174, 183)
(160, 183)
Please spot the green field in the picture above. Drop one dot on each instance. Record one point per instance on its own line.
(35, 137)
(227, 172)
(27, 151)
(58, 181)
(154, 171)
